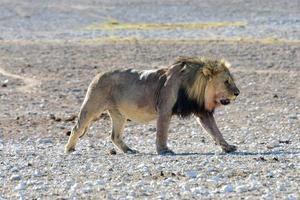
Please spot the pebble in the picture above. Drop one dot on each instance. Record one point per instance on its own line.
(198, 190)
(72, 191)
(87, 190)
(152, 129)
(100, 182)
(293, 117)
(291, 197)
(15, 177)
(280, 186)
(168, 181)
(37, 173)
(242, 188)
(14, 169)
(46, 140)
(270, 175)
(267, 196)
(214, 179)
(273, 144)
(254, 185)
(76, 90)
(227, 188)
(21, 186)
(191, 174)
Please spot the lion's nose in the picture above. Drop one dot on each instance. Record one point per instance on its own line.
(237, 92)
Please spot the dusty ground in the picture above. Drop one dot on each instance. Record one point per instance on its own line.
(48, 57)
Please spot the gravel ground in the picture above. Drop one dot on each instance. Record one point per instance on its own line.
(46, 67)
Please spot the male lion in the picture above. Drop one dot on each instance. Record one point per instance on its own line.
(189, 86)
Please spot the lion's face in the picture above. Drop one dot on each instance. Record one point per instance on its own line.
(225, 88)
(220, 89)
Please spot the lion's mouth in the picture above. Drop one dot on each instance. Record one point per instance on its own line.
(225, 101)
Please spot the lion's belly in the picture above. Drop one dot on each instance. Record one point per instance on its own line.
(138, 114)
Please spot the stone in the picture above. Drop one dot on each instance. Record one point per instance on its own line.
(21, 186)
(15, 177)
(242, 188)
(46, 140)
(191, 174)
(227, 188)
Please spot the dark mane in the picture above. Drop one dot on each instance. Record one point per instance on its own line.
(185, 106)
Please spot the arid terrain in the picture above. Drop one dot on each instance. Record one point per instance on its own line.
(50, 51)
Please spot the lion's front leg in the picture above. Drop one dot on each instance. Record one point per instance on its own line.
(208, 122)
(163, 122)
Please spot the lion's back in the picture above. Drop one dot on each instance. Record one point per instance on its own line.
(133, 93)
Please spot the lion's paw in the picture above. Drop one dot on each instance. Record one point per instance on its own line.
(69, 149)
(229, 148)
(166, 152)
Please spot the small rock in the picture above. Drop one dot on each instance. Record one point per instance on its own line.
(198, 190)
(267, 196)
(227, 188)
(14, 169)
(76, 90)
(241, 188)
(191, 174)
(152, 129)
(270, 175)
(275, 96)
(100, 182)
(273, 144)
(168, 182)
(291, 197)
(46, 140)
(53, 117)
(280, 187)
(72, 191)
(87, 190)
(37, 173)
(214, 179)
(254, 185)
(293, 117)
(15, 177)
(21, 186)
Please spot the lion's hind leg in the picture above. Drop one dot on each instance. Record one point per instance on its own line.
(87, 115)
(118, 122)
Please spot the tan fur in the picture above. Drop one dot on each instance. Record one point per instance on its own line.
(143, 96)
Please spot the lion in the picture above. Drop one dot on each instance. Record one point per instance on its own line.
(190, 86)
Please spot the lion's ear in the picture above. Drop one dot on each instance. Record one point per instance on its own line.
(207, 72)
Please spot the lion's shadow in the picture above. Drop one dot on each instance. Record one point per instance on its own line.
(237, 153)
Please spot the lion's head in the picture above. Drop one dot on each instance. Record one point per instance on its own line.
(206, 84)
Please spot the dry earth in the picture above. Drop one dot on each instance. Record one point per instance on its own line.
(45, 69)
